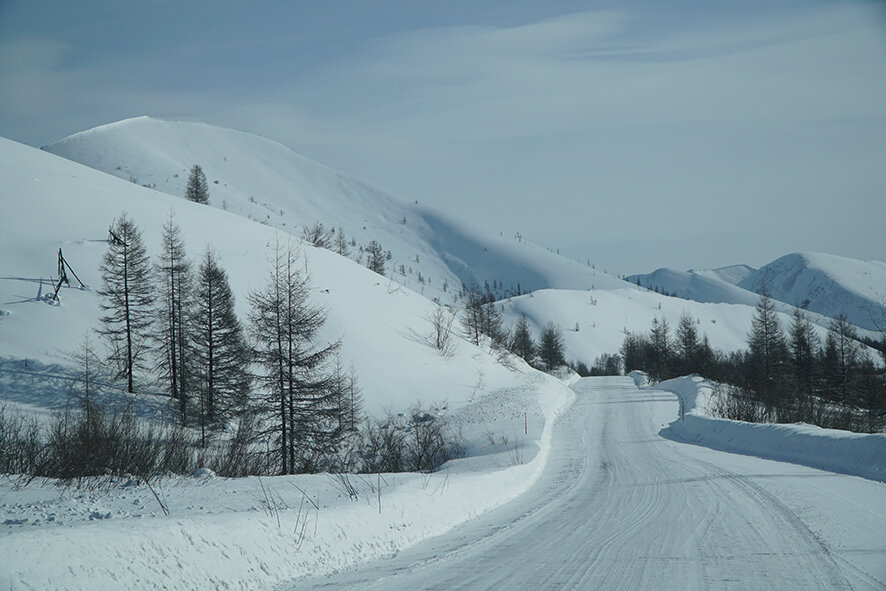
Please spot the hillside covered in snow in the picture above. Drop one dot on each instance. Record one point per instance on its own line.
(827, 284)
(432, 252)
(824, 285)
(60, 204)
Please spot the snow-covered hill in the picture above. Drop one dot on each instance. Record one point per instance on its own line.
(51, 203)
(690, 285)
(265, 181)
(824, 285)
(730, 274)
(595, 322)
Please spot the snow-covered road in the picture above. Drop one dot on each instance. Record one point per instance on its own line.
(620, 507)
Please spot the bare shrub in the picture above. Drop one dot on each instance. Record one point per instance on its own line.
(385, 447)
(318, 235)
(441, 320)
(421, 442)
(21, 443)
(96, 442)
(737, 404)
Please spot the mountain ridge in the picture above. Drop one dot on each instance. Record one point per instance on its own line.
(820, 283)
(431, 252)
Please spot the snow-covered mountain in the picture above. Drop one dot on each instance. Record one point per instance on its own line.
(730, 274)
(691, 285)
(262, 180)
(825, 285)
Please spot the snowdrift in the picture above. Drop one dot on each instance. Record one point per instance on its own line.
(843, 452)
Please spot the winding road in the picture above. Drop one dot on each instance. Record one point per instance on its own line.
(621, 507)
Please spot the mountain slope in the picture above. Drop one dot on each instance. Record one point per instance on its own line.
(822, 284)
(61, 204)
(826, 284)
(731, 274)
(690, 285)
(594, 322)
(265, 181)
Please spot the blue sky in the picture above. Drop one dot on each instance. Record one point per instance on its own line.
(637, 134)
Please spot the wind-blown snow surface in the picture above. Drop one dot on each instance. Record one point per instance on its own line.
(823, 284)
(263, 180)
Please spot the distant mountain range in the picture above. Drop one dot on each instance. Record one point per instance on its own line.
(820, 283)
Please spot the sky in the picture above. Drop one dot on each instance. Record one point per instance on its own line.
(636, 134)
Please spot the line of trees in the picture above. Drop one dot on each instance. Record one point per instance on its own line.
(182, 326)
(783, 375)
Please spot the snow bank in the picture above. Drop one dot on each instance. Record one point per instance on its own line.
(256, 533)
(844, 452)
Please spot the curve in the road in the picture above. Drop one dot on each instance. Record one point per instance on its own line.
(619, 507)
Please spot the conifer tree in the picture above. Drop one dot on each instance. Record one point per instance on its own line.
(127, 299)
(296, 376)
(473, 314)
(633, 352)
(492, 326)
(341, 243)
(687, 345)
(767, 352)
(660, 352)
(842, 343)
(805, 349)
(522, 343)
(375, 257)
(88, 373)
(174, 333)
(219, 346)
(197, 189)
(550, 347)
